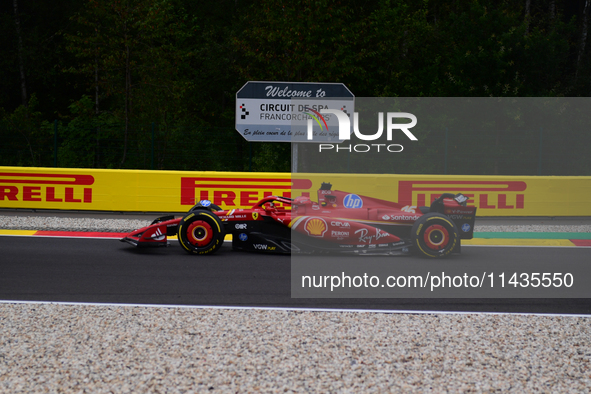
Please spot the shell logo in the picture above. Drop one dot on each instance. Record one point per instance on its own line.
(316, 227)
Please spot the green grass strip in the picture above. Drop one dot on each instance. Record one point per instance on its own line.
(532, 235)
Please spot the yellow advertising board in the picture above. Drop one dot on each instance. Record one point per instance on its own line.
(177, 191)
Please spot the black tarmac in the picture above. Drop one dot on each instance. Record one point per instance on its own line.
(108, 271)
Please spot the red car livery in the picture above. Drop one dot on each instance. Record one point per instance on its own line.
(337, 222)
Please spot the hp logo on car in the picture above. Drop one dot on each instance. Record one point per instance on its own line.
(465, 227)
(352, 201)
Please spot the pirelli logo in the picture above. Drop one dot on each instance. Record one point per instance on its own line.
(237, 192)
(482, 194)
(58, 188)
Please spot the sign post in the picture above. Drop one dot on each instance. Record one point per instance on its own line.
(265, 111)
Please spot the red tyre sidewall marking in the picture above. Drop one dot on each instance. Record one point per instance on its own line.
(200, 241)
(440, 229)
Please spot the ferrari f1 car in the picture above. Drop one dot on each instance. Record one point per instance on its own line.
(338, 222)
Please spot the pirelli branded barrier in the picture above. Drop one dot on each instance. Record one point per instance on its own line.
(177, 191)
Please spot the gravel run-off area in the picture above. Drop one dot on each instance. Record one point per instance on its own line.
(100, 349)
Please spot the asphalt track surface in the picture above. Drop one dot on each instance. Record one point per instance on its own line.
(108, 271)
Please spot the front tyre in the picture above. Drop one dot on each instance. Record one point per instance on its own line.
(201, 232)
(434, 235)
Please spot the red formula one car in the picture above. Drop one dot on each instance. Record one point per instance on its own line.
(338, 222)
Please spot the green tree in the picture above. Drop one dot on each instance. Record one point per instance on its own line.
(134, 53)
(299, 41)
(26, 136)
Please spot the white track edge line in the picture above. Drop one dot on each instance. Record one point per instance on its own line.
(525, 246)
(463, 246)
(293, 309)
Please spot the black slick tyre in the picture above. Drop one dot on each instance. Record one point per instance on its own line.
(201, 232)
(434, 235)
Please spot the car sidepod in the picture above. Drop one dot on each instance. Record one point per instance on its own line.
(266, 235)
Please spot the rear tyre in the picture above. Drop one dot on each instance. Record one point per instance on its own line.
(434, 235)
(458, 249)
(201, 232)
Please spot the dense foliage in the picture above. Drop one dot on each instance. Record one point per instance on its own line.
(151, 83)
